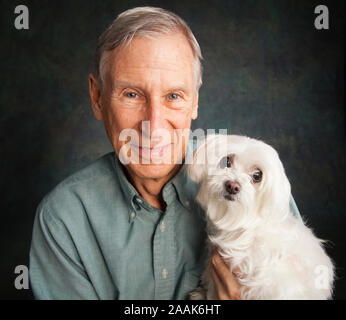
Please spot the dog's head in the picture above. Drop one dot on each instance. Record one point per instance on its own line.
(242, 173)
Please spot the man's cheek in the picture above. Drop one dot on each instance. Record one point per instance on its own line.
(182, 120)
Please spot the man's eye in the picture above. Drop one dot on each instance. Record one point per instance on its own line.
(173, 96)
(225, 162)
(257, 176)
(131, 95)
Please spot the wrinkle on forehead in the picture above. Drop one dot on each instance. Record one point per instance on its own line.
(164, 55)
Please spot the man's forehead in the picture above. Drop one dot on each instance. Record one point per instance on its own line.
(165, 52)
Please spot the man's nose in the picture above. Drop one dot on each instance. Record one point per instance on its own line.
(156, 117)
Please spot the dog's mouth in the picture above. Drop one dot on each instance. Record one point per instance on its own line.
(229, 197)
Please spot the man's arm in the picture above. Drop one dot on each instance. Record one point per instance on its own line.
(56, 271)
(226, 284)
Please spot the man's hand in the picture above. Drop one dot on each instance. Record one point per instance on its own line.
(226, 284)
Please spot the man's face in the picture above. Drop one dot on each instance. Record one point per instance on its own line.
(150, 80)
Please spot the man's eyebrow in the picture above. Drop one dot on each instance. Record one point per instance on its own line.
(178, 88)
(125, 83)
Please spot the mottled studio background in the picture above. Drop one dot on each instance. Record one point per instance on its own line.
(268, 74)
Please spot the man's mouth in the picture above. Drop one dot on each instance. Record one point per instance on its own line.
(149, 153)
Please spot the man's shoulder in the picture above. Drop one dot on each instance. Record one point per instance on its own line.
(82, 188)
(99, 169)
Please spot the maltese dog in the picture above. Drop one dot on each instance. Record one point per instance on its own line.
(246, 194)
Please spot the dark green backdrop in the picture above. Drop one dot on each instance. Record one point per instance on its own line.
(268, 73)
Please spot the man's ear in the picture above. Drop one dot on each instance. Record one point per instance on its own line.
(95, 96)
(194, 114)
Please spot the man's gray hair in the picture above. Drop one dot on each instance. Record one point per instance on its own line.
(143, 22)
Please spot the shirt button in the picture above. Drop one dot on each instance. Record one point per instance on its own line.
(139, 200)
(162, 227)
(187, 203)
(164, 273)
(132, 214)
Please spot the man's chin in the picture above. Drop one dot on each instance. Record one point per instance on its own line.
(152, 170)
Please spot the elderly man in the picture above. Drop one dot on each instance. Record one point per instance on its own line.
(132, 230)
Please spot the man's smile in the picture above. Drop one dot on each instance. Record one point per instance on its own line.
(150, 153)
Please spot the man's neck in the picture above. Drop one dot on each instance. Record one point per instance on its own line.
(151, 189)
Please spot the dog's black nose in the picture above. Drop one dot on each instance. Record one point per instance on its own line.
(232, 187)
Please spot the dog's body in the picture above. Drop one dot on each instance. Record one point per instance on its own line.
(246, 195)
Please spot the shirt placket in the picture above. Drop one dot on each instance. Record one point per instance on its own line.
(164, 253)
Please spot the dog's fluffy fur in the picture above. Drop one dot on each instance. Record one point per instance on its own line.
(271, 252)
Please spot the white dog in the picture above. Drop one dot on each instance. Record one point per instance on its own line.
(245, 194)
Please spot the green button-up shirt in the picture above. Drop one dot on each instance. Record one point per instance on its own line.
(95, 237)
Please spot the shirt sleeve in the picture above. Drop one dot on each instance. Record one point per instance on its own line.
(56, 271)
(294, 209)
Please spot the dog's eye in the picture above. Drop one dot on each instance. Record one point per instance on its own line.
(225, 162)
(257, 176)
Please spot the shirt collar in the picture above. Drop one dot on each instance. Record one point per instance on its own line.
(128, 189)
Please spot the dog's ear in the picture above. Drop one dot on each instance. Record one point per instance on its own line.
(197, 170)
(205, 155)
(276, 189)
